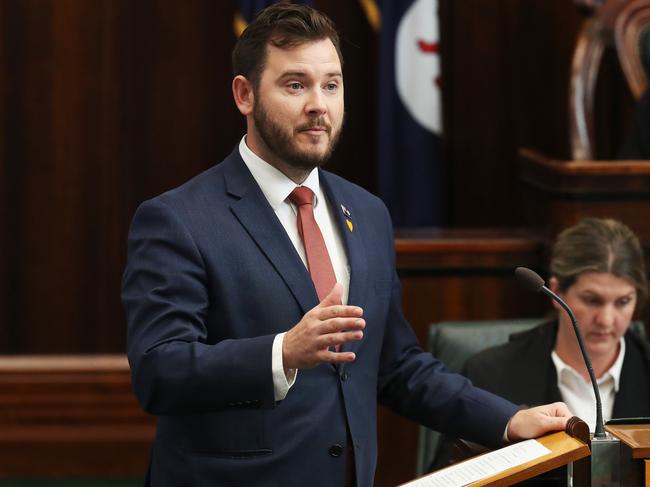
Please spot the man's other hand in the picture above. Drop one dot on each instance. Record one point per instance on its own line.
(534, 422)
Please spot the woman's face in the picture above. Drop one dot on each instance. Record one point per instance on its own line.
(603, 304)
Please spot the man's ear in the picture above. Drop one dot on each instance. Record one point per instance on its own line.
(553, 285)
(242, 92)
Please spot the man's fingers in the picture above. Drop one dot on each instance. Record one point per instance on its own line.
(337, 357)
(325, 326)
(533, 422)
(331, 307)
(340, 324)
(557, 423)
(337, 311)
(560, 409)
(333, 339)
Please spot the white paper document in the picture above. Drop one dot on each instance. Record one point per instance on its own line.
(483, 466)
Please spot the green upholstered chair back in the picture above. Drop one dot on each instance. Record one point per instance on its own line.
(454, 342)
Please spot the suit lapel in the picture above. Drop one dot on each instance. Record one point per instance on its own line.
(343, 211)
(536, 346)
(258, 218)
(633, 396)
(255, 214)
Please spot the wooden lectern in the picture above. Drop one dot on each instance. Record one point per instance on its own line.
(563, 192)
(634, 453)
(620, 460)
(567, 448)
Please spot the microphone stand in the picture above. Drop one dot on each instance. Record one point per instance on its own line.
(535, 283)
(600, 428)
(607, 465)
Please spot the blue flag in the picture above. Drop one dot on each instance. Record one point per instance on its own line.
(410, 115)
(248, 9)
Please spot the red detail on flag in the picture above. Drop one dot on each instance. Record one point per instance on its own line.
(429, 47)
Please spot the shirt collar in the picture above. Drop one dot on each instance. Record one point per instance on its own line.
(275, 185)
(614, 371)
(617, 366)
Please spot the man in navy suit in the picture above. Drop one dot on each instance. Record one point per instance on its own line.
(254, 378)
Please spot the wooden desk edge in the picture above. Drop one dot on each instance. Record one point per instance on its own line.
(621, 432)
(564, 449)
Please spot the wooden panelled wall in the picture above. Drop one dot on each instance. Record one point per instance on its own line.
(105, 103)
(102, 105)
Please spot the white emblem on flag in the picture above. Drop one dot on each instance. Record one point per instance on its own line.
(417, 64)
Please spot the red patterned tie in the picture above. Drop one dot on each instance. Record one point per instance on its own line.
(318, 259)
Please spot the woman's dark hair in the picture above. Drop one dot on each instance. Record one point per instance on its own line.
(599, 245)
(282, 25)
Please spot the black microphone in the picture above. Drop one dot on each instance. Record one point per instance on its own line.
(535, 283)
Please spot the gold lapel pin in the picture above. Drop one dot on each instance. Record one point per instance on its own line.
(348, 219)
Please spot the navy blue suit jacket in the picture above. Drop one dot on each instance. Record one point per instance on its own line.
(211, 278)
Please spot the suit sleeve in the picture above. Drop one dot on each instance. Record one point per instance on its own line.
(175, 367)
(417, 385)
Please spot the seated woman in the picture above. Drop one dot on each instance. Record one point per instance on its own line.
(597, 267)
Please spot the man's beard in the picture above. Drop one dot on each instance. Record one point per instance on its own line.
(282, 143)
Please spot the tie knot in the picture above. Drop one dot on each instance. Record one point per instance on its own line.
(302, 195)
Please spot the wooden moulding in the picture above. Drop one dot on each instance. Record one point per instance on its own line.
(436, 249)
(636, 436)
(71, 416)
(585, 178)
(563, 192)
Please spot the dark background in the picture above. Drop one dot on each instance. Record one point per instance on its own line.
(106, 103)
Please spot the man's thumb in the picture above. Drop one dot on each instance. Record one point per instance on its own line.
(334, 297)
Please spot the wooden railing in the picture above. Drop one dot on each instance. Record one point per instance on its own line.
(71, 416)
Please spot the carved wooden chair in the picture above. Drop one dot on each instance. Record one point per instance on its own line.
(632, 36)
(596, 34)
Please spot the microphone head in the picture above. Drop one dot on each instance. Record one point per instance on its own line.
(529, 278)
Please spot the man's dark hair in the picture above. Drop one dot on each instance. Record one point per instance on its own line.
(282, 25)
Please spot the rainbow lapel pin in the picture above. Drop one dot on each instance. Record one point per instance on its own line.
(348, 219)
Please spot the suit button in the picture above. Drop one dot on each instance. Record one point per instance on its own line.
(336, 450)
(344, 376)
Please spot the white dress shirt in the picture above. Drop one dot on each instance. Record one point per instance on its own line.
(276, 188)
(579, 395)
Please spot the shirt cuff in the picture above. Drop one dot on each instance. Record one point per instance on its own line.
(281, 382)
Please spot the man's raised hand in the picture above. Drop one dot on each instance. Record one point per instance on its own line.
(326, 325)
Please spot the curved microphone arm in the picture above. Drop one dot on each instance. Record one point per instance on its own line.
(535, 283)
(600, 429)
